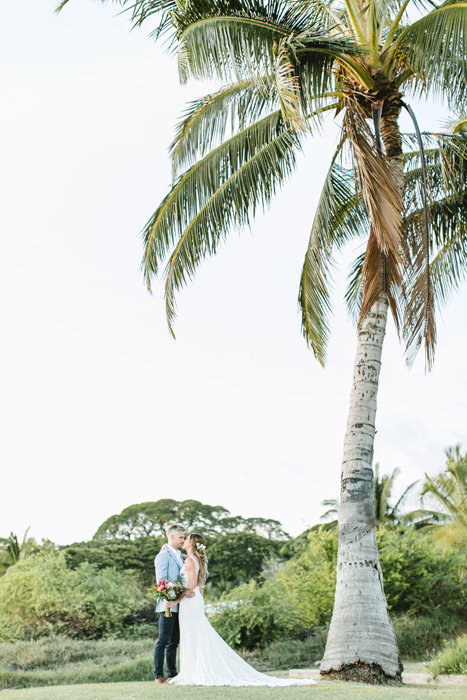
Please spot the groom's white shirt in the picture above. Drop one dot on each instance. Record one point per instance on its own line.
(177, 553)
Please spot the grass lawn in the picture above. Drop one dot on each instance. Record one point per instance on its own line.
(329, 690)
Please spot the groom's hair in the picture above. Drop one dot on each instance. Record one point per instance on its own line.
(173, 527)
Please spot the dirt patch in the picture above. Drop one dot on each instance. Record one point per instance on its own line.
(362, 673)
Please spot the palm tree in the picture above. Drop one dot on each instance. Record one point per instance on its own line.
(449, 489)
(287, 63)
(11, 551)
(385, 513)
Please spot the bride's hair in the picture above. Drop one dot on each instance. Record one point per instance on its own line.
(199, 550)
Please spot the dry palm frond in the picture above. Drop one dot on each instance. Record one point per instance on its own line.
(382, 273)
(381, 195)
(288, 88)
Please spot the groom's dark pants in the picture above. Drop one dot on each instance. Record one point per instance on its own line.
(169, 637)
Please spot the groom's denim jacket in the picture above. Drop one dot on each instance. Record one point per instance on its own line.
(168, 569)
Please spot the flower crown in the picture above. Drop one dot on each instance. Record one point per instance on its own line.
(200, 547)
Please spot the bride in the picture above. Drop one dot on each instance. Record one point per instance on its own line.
(205, 659)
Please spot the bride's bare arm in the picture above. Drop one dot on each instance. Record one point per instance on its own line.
(191, 571)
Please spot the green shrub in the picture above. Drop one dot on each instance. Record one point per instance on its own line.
(419, 576)
(248, 617)
(41, 596)
(418, 636)
(289, 653)
(424, 586)
(134, 555)
(297, 597)
(451, 659)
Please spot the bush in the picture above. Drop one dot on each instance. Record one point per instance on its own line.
(419, 576)
(289, 653)
(451, 659)
(135, 555)
(40, 596)
(418, 636)
(248, 617)
(420, 579)
(297, 597)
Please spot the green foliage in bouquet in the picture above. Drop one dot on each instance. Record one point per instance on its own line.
(41, 596)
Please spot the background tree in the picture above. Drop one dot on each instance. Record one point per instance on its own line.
(287, 64)
(135, 555)
(149, 519)
(238, 557)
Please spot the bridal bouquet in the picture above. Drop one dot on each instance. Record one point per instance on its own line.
(169, 590)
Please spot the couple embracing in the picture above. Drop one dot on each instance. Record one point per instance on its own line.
(205, 659)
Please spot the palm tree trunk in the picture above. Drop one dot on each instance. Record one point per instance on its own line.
(361, 643)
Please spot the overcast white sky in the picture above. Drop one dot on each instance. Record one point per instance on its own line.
(100, 408)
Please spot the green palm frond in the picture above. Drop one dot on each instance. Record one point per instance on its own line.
(338, 219)
(449, 266)
(206, 120)
(323, 11)
(305, 70)
(394, 513)
(435, 50)
(234, 203)
(196, 186)
(446, 168)
(353, 294)
(232, 39)
(449, 488)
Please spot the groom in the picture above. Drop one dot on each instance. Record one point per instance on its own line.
(168, 563)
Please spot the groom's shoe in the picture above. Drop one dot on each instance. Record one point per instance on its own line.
(159, 680)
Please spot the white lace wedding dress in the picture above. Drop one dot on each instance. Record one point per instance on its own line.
(205, 659)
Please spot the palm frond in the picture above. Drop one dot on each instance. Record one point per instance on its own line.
(449, 266)
(233, 203)
(381, 195)
(206, 120)
(232, 39)
(446, 169)
(311, 10)
(144, 10)
(435, 50)
(382, 274)
(305, 72)
(387, 483)
(338, 218)
(353, 294)
(196, 186)
(401, 499)
(420, 320)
